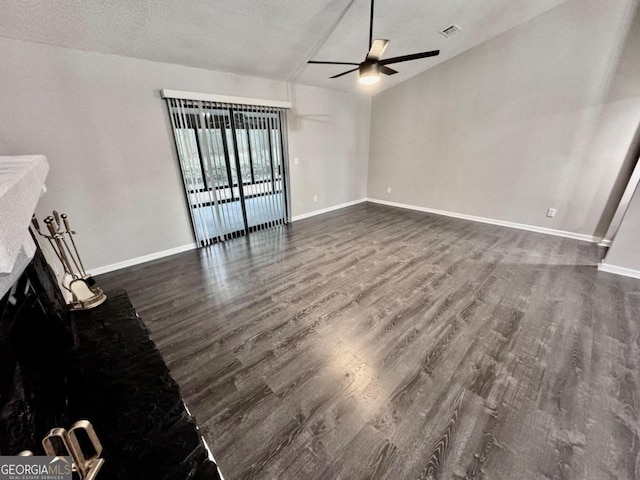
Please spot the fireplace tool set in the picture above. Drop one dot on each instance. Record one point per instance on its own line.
(85, 294)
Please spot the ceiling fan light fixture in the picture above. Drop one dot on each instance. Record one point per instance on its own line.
(369, 73)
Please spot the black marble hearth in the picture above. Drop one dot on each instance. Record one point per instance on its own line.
(58, 367)
(121, 383)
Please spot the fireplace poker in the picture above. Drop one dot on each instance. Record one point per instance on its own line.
(49, 222)
(71, 233)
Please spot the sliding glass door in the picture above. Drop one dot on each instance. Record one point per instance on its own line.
(232, 162)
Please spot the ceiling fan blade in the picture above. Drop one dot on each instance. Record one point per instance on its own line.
(377, 49)
(406, 58)
(387, 70)
(344, 73)
(331, 63)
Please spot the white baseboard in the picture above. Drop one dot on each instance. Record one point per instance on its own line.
(627, 272)
(143, 259)
(492, 221)
(328, 209)
(605, 243)
(191, 246)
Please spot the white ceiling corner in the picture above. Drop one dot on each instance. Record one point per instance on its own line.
(271, 39)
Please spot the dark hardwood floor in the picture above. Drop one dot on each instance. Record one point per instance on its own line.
(374, 342)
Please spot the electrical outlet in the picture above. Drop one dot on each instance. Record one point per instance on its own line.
(296, 161)
(315, 198)
(551, 212)
(388, 189)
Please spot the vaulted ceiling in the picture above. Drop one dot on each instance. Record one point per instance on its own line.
(267, 38)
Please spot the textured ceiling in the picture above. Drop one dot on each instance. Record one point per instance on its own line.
(263, 38)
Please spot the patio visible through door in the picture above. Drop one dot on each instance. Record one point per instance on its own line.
(232, 159)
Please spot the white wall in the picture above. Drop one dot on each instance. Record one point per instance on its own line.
(102, 125)
(516, 125)
(321, 121)
(624, 253)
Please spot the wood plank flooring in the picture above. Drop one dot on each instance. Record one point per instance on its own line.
(375, 342)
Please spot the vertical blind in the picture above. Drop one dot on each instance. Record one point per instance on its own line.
(233, 163)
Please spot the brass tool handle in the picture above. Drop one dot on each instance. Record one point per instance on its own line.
(49, 223)
(66, 222)
(61, 443)
(88, 462)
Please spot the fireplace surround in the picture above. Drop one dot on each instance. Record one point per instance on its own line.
(100, 365)
(57, 367)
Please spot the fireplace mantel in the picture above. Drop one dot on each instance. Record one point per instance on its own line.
(21, 184)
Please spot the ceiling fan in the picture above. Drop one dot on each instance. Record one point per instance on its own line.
(369, 71)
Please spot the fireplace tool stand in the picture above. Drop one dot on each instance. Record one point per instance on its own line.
(84, 293)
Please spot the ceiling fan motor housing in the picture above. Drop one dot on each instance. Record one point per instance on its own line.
(369, 68)
(369, 72)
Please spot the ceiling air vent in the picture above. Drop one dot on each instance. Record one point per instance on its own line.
(450, 31)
